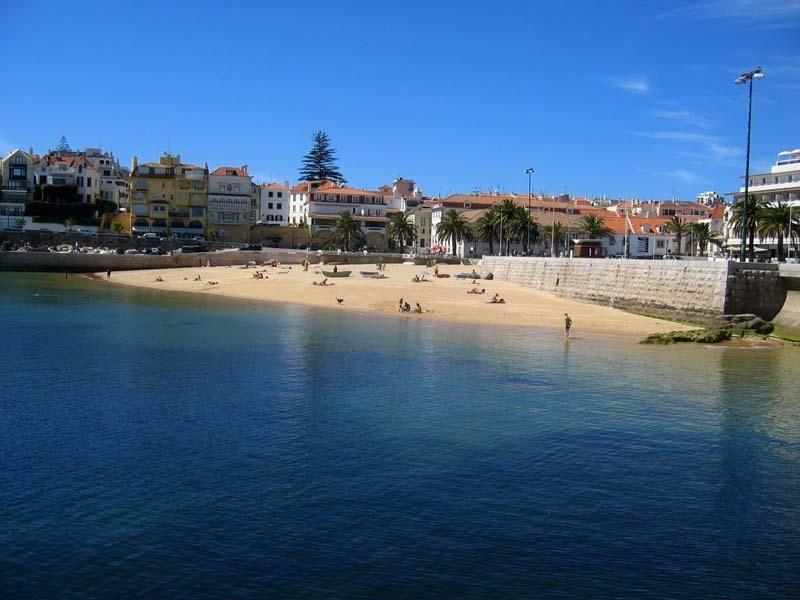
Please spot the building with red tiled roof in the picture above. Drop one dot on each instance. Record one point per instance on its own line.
(318, 204)
(233, 202)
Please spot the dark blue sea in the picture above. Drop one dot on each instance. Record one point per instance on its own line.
(157, 445)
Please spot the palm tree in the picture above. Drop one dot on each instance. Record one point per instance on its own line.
(347, 231)
(117, 227)
(773, 221)
(401, 229)
(69, 223)
(508, 214)
(454, 227)
(518, 226)
(754, 206)
(680, 227)
(212, 234)
(488, 226)
(20, 222)
(555, 233)
(703, 236)
(595, 228)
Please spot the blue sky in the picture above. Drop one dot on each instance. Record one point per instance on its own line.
(627, 98)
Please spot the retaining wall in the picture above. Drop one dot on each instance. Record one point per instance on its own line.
(92, 263)
(689, 291)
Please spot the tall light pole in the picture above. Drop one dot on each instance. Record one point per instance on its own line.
(530, 172)
(748, 77)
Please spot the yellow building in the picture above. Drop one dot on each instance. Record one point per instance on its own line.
(169, 197)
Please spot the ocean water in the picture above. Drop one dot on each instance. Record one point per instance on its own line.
(157, 445)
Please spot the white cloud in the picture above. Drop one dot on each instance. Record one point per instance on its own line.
(636, 86)
(684, 175)
(715, 149)
(762, 10)
(684, 116)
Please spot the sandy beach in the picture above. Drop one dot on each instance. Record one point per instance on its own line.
(441, 298)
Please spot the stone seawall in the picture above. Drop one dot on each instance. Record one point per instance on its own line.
(688, 291)
(92, 263)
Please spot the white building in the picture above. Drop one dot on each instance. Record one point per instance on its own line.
(68, 175)
(780, 185)
(274, 204)
(232, 203)
(401, 194)
(318, 204)
(710, 198)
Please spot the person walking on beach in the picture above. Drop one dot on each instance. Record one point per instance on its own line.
(567, 325)
(108, 274)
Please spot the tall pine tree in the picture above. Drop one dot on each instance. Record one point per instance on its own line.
(320, 162)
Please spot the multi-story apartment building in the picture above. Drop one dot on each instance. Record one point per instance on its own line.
(16, 185)
(232, 205)
(169, 197)
(420, 216)
(318, 205)
(781, 184)
(66, 175)
(274, 204)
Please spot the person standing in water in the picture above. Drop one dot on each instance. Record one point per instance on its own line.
(567, 325)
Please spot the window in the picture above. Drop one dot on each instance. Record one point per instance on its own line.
(269, 205)
(280, 194)
(269, 194)
(278, 206)
(18, 160)
(660, 244)
(18, 172)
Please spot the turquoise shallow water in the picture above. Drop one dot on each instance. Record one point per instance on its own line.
(156, 445)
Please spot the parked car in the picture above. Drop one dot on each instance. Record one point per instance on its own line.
(149, 236)
(670, 257)
(130, 251)
(154, 250)
(198, 238)
(250, 248)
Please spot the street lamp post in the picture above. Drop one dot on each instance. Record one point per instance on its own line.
(530, 172)
(748, 77)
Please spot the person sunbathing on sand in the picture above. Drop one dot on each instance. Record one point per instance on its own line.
(418, 308)
(475, 290)
(496, 299)
(159, 278)
(415, 279)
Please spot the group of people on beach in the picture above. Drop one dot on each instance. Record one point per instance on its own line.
(404, 306)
